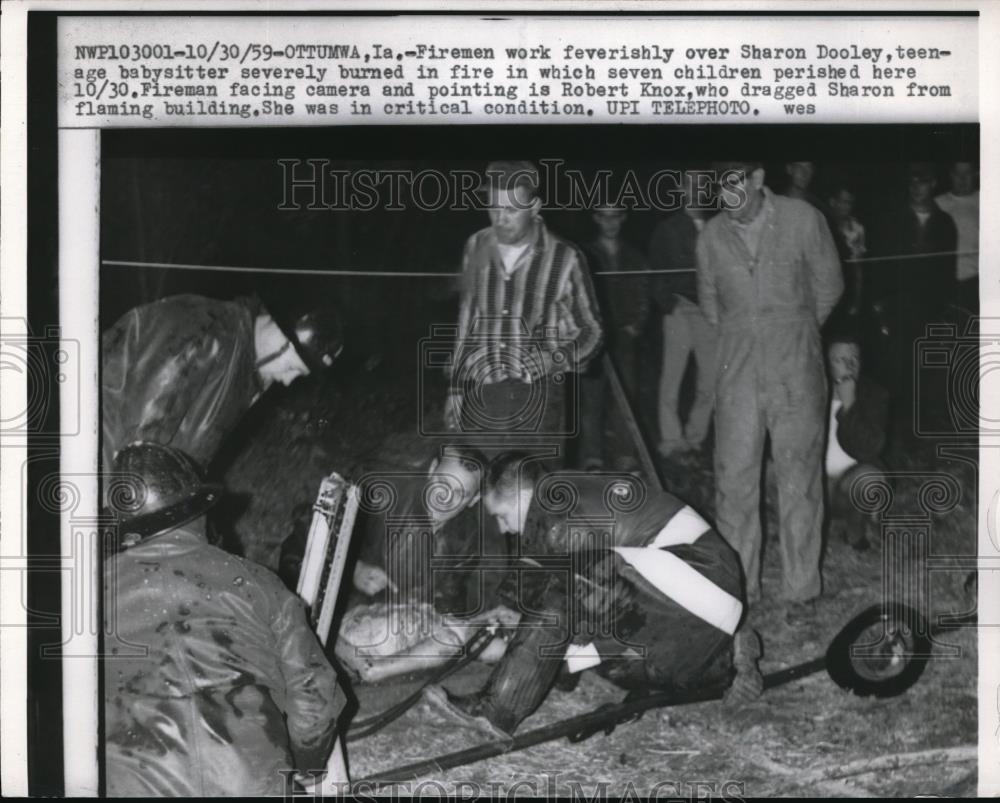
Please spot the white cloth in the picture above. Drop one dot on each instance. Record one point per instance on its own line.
(837, 460)
(580, 657)
(509, 254)
(964, 210)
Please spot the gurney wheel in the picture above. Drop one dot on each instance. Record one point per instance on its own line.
(881, 652)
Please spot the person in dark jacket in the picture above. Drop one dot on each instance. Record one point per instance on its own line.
(624, 302)
(214, 683)
(422, 537)
(686, 331)
(912, 290)
(183, 370)
(625, 580)
(856, 439)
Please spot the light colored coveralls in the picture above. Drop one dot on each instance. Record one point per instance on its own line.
(769, 304)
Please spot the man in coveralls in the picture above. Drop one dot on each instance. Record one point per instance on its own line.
(768, 277)
(627, 580)
(215, 684)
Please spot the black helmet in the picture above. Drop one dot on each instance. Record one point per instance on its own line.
(156, 488)
(314, 331)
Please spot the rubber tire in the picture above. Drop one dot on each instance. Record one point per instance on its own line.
(840, 666)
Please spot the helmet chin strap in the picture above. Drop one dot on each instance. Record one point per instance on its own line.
(273, 356)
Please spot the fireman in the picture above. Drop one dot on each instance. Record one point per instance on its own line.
(216, 685)
(626, 580)
(183, 370)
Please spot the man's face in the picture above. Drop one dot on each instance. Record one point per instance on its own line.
(284, 369)
(609, 222)
(511, 213)
(963, 178)
(800, 174)
(845, 361)
(842, 204)
(510, 510)
(451, 487)
(920, 187)
(737, 190)
(696, 192)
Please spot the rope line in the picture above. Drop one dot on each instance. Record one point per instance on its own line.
(123, 263)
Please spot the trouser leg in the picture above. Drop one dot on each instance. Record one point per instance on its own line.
(854, 522)
(643, 653)
(797, 437)
(676, 350)
(704, 344)
(531, 662)
(739, 447)
(626, 362)
(591, 403)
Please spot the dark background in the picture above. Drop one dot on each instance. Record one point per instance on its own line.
(212, 198)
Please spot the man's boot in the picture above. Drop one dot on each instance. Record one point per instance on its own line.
(748, 684)
(516, 687)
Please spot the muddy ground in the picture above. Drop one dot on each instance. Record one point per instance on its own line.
(790, 742)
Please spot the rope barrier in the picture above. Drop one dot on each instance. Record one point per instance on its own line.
(389, 274)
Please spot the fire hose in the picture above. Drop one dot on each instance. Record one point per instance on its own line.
(883, 668)
(366, 727)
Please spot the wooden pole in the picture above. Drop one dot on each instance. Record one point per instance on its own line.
(625, 410)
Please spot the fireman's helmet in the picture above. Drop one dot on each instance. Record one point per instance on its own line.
(155, 488)
(315, 332)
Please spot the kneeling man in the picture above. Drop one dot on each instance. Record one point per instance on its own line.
(626, 580)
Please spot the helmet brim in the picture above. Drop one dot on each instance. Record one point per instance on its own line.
(195, 504)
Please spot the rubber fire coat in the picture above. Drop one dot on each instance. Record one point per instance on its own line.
(214, 682)
(768, 308)
(181, 372)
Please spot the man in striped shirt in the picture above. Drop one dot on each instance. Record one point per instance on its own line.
(625, 580)
(528, 321)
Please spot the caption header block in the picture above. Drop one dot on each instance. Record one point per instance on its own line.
(279, 71)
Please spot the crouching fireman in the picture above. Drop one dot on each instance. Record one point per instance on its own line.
(214, 682)
(627, 581)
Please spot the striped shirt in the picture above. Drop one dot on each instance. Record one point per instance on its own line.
(544, 303)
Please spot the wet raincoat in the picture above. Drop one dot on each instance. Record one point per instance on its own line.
(771, 378)
(181, 372)
(214, 682)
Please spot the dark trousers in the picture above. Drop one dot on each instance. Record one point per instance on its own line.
(597, 402)
(846, 520)
(519, 415)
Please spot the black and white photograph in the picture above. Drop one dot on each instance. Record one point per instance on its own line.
(530, 455)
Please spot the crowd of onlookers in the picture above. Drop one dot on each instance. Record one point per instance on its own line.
(901, 269)
(755, 302)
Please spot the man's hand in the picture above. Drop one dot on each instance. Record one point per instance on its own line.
(846, 390)
(541, 364)
(370, 579)
(502, 616)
